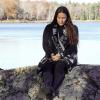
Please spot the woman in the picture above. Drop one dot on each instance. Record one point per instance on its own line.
(60, 39)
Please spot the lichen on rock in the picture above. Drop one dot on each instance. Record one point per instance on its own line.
(81, 83)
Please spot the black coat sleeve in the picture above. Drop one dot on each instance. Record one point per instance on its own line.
(46, 41)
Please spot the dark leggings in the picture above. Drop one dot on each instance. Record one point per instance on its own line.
(53, 75)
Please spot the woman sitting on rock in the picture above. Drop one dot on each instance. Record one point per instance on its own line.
(60, 39)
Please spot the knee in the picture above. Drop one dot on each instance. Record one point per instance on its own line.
(46, 66)
(60, 63)
(60, 66)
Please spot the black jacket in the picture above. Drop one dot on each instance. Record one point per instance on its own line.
(48, 44)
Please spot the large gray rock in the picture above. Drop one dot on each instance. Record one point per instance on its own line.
(81, 83)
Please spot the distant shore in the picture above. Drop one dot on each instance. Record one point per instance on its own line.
(41, 21)
(23, 21)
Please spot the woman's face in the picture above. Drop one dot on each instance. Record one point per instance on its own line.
(61, 18)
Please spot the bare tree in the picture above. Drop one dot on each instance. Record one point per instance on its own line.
(10, 8)
(28, 7)
(1, 10)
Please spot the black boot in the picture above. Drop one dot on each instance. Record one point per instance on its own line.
(49, 96)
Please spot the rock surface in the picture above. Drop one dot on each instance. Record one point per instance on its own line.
(81, 83)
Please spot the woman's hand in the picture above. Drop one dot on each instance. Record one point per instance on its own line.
(55, 57)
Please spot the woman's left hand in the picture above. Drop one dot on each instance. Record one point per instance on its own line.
(56, 57)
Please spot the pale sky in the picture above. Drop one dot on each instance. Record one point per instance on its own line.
(80, 1)
(63, 1)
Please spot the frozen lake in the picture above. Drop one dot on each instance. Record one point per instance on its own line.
(21, 44)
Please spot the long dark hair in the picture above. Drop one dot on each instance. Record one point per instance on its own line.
(71, 33)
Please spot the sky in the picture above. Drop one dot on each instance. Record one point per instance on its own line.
(80, 1)
(63, 1)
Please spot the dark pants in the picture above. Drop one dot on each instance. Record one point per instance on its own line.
(53, 75)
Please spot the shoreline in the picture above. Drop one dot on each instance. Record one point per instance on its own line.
(42, 21)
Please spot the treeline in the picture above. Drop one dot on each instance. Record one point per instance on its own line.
(42, 10)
